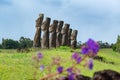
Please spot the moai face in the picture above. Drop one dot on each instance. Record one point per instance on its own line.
(69, 32)
(74, 35)
(53, 26)
(59, 27)
(46, 24)
(39, 20)
(65, 29)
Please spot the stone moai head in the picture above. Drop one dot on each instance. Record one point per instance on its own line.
(60, 25)
(69, 32)
(65, 29)
(46, 24)
(74, 35)
(53, 26)
(39, 20)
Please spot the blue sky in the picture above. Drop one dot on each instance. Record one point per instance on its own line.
(97, 19)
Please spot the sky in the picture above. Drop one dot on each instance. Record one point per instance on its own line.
(96, 19)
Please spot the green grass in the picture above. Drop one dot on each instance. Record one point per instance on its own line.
(19, 66)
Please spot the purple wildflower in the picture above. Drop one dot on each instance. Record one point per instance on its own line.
(71, 76)
(90, 47)
(78, 60)
(90, 64)
(40, 56)
(69, 70)
(42, 67)
(76, 57)
(84, 50)
(60, 69)
(93, 45)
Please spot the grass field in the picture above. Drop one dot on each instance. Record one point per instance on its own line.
(19, 66)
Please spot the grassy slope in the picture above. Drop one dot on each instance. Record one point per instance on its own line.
(18, 66)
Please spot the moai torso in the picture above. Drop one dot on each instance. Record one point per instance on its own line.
(45, 29)
(59, 34)
(73, 39)
(52, 31)
(37, 37)
(65, 35)
(69, 37)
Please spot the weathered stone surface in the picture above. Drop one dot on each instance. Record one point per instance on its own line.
(59, 34)
(53, 35)
(37, 37)
(59, 39)
(65, 35)
(69, 37)
(73, 39)
(73, 44)
(39, 20)
(65, 29)
(53, 27)
(45, 29)
(52, 31)
(60, 25)
(46, 24)
(74, 35)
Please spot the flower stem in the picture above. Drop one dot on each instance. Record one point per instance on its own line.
(54, 74)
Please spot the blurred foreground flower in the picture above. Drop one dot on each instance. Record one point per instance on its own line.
(71, 76)
(40, 56)
(76, 57)
(60, 69)
(91, 48)
(42, 67)
(90, 64)
(69, 70)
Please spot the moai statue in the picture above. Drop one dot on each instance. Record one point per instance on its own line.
(37, 37)
(45, 29)
(65, 35)
(59, 34)
(52, 31)
(73, 39)
(69, 37)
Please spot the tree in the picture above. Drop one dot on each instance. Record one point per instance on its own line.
(25, 42)
(0, 46)
(118, 44)
(79, 44)
(10, 44)
(114, 47)
(104, 45)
